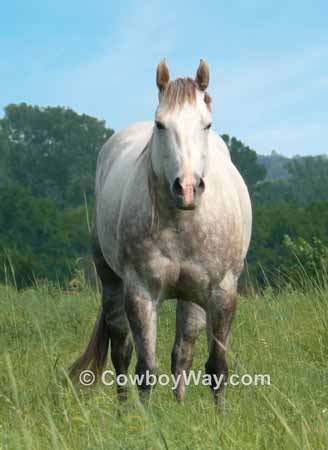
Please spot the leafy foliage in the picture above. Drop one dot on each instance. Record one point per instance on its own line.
(311, 256)
(47, 166)
(298, 179)
(245, 160)
(309, 178)
(268, 253)
(37, 240)
(272, 191)
(275, 164)
(53, 151)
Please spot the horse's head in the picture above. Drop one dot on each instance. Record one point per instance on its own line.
(181, 134)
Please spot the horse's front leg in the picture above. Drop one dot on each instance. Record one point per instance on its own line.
(141, 310)
(221, 310)
(190, 320)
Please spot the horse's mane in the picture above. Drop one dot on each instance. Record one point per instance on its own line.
(180, 91)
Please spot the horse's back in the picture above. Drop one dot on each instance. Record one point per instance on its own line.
(120, 152)
(117, 165)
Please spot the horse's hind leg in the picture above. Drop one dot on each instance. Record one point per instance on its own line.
(112, 324)
(221, 310)
(113, 308)
(190, 320)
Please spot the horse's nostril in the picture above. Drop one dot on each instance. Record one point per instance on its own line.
(177, 188)
(201, 185)
(198, 187)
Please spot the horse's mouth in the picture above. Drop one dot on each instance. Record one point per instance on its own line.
(181, 204)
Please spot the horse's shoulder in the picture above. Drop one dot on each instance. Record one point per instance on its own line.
(124, 145)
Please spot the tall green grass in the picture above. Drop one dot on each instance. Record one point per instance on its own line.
(42, 330)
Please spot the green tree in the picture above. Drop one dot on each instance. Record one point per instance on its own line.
(305, 261)
(4, 151)
(272, 191)
(268, 251)
(308, 178)
(37, 240)
(245, 160)
(53, 151)
(275, 164)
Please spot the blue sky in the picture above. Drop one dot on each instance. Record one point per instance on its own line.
(268, 62)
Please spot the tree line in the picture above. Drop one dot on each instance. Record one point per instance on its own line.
(47, 167)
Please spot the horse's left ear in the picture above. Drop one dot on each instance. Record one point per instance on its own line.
(162, 75)
(202, 75)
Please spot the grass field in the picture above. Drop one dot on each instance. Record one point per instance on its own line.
(42, 331)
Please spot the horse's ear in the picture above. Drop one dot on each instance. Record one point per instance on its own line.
(202, 75)
(162, 76)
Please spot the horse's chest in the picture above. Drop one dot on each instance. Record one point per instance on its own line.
(178, 277)
(194, 247)
(186, 261)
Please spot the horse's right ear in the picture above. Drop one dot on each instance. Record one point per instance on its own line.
(203, 75)
(162, 76)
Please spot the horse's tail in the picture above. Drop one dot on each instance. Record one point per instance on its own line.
(95, 355)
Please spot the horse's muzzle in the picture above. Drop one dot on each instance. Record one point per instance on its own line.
(188, 191)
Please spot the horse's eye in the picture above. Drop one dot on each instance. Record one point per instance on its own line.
(208, 126)
(159, 125)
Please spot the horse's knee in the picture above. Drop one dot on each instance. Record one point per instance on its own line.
(121, 350)
(182, 355)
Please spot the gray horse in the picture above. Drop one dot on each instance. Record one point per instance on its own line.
(172, 219)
